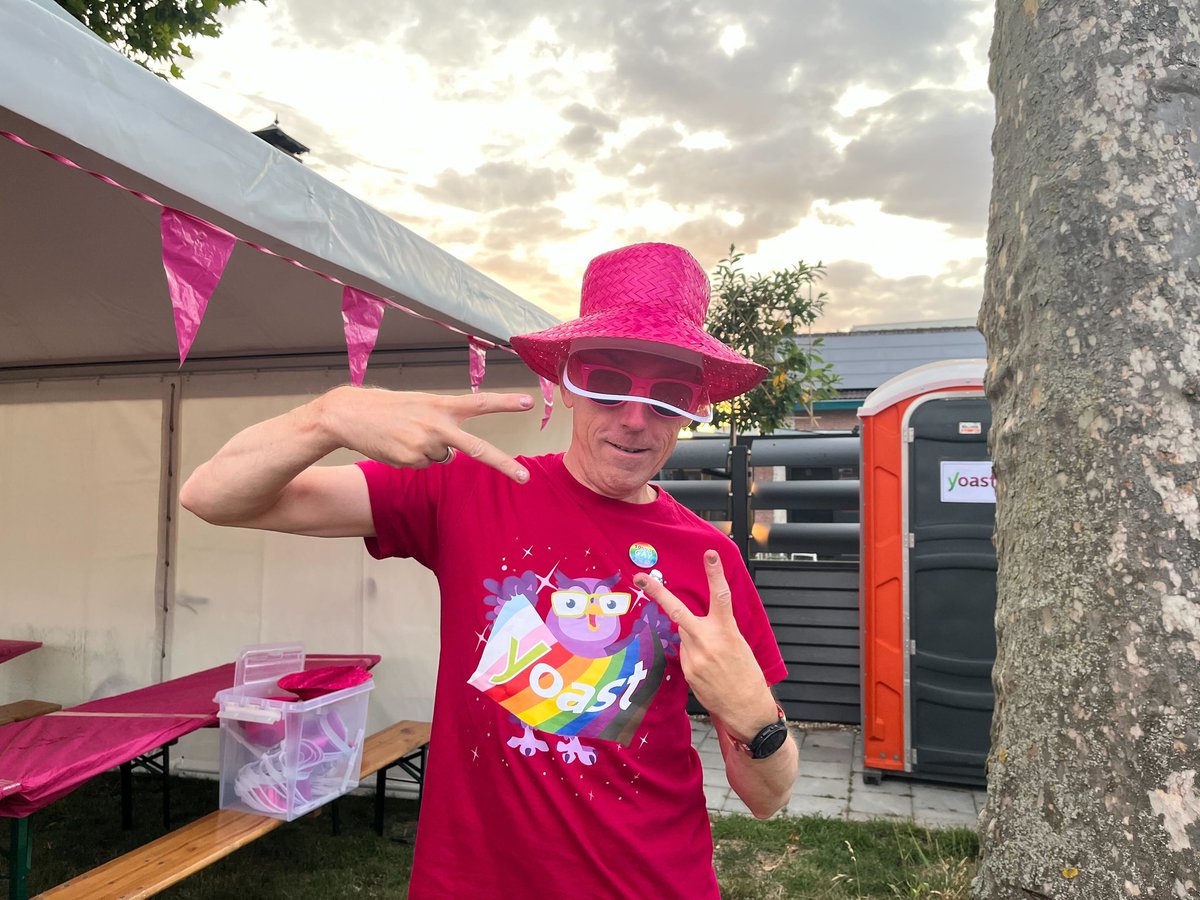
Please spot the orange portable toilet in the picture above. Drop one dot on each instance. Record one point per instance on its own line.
(927, 574)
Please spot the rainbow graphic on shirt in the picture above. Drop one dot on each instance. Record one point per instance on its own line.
(526, 670)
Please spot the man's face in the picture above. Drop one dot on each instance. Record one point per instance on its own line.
(616, 449)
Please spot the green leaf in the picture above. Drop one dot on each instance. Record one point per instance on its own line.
(764, 317)
(151, 30)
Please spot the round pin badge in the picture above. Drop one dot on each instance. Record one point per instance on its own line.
(643, 555)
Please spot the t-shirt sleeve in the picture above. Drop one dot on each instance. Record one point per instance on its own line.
(752, 619)
(404, 505)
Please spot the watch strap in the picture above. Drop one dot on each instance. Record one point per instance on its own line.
(766, 742)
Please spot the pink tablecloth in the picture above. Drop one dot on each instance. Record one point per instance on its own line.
(9, 649)
(44, 758)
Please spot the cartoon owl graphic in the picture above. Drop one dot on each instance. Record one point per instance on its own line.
(585, 613)
(571, 673)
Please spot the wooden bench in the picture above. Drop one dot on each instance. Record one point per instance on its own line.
(402, 746)
(26, 709)
(156, 866)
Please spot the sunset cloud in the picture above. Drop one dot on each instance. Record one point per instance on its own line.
(530, 135)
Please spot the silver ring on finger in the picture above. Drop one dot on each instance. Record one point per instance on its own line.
(449, 456)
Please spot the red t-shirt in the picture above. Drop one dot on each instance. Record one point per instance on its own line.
(561, 762)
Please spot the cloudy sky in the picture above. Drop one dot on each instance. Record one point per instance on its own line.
(526, 136)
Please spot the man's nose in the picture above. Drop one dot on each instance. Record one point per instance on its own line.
(634, 414)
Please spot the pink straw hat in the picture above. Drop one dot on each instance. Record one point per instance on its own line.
(652, 294)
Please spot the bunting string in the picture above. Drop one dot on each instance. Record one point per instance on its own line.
(74, 165)
(195, 253)
(211, 229)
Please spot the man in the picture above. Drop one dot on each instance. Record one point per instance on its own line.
(561, 760)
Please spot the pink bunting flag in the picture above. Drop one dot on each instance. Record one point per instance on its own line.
(362, 314)
(548, 397)
(194, 254)
(478, 362)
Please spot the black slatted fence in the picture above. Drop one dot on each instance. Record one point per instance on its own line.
(813, 608)
(797, 526)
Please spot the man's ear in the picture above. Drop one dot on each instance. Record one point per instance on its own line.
(568, 398)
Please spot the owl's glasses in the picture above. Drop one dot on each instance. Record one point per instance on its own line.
(572, 604)
(607, 385)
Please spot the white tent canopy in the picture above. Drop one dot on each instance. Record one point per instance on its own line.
(99, 425)
(83, 278)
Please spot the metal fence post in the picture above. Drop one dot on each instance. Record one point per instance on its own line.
(739, 499)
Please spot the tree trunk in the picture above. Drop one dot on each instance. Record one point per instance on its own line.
(1090, 314)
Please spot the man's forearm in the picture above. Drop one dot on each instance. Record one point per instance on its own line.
(265, 477)
(247, 476)
(764, 785)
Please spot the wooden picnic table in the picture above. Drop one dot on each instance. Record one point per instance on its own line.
(43, 758)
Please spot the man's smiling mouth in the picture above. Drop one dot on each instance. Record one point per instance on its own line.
(625, 449)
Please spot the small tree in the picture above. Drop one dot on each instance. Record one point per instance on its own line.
(151, 32)
(764, 317)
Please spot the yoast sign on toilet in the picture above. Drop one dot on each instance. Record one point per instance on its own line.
(968, 482)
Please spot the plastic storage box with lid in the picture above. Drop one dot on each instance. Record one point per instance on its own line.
(281, 756)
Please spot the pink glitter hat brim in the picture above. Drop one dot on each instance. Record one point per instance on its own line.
(652, 293)
(727, 374)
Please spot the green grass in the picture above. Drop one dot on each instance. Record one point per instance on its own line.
(794, 858)
(814, 859)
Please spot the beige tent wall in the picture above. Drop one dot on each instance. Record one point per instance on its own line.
(234, 587)
(80, 486)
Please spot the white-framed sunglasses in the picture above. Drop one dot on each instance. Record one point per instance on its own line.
(611, 385)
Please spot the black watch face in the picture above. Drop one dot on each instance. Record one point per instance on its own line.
(770, 741)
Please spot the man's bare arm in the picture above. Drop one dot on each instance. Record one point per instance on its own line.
(722, 672)
(764, 785)
(266, 477)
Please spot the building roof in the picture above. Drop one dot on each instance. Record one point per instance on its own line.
(277, 137)
(865, 358)
(934, 376)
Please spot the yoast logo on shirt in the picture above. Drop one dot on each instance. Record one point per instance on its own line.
(968, 482)
(527, 670)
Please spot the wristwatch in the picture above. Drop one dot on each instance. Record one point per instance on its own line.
(768, 740)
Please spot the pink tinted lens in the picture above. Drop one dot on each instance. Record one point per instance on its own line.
(603, 380)
(608, 380)
(677, 393)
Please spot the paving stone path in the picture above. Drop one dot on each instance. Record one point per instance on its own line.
(830, 784)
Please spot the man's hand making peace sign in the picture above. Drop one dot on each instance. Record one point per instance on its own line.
(722, 672)
(265, 476)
